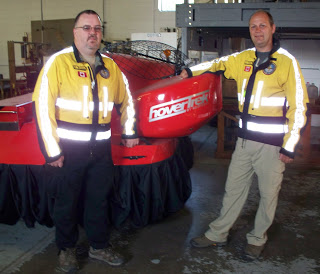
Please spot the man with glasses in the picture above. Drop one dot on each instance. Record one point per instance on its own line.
(74, 97)
(272, 100)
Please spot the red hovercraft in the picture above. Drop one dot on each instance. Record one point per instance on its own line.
(168, 109)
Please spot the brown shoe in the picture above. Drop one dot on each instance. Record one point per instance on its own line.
(107, 255)
(253, 251)
(203, 241)
(67, 261)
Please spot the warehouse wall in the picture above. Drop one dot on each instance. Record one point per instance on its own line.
(307, 53)
(122, 17)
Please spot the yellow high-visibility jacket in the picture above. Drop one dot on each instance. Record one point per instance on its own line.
(272, 97)
(75, 103)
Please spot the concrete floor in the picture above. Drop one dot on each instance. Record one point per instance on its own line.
(293, 246)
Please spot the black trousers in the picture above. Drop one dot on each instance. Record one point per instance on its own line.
(85, 181)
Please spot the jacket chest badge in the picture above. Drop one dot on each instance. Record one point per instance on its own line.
(82, 74)
(78, 67)
(270, 69)
(104, 73)
(247, 68)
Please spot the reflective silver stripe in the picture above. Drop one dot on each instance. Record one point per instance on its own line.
(107, 108)
(74, 105)
(81, 135)
(243, 91)
(128, 126)
(103, 135)
(207, 65)
(299, 118)
(105, 101)
(85, 101)
(73, 135)
(68, 104)
(203, 66)
(110, 106)
(272, 101)
(91, 106)
(258, 94)
(44, 119)
(241, 98)
(265, 128)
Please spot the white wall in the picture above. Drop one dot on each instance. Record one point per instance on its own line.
(307, 53)
(122, 17)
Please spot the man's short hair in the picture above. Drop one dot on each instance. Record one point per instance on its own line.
(86, 12)
(266, 13)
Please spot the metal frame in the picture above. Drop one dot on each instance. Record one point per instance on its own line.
(298, 19)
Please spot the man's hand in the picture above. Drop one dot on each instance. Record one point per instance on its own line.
(184, 74)
(57, 163)
(130, 142)
(285, 159)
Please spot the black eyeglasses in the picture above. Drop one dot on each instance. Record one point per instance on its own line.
(88, 28)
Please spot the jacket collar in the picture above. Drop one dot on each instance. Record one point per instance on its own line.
(79, 59)
(76, 53)
(99, 61)
(275, 46)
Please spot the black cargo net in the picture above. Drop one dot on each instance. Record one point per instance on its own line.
(147, 59)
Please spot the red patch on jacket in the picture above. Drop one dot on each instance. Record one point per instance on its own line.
(82, 74)
(247, 68)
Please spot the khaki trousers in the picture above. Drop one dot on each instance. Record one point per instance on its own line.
(248, 158)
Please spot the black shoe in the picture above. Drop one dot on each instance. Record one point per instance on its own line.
(253, 251)
(203, 241)
(67, 262)
(107, 255)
